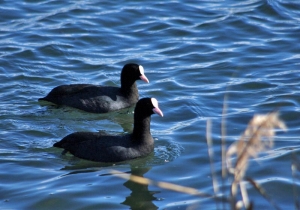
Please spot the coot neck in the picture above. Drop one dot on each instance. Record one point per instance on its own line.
(141, 129)
(129, 89)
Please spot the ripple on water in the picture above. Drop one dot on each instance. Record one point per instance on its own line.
(193, 54)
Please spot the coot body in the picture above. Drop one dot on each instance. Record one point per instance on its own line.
(115, 148)
(100, 99)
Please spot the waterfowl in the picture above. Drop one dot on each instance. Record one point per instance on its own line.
(100, 99)
(96, 146)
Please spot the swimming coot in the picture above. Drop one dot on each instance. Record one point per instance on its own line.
(100, 99)
(96, 146)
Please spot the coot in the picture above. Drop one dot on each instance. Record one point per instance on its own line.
(115, 148)
(100, 99)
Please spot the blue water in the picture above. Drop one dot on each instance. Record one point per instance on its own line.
(194, 53)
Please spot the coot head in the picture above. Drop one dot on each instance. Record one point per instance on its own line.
(147, 107)
(132, 72)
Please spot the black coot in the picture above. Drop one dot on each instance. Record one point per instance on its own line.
(101, 99)
(108, 148)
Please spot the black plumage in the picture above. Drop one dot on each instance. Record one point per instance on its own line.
(115, 148)
(100, 99)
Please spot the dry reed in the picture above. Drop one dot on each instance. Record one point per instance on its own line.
(258, 137)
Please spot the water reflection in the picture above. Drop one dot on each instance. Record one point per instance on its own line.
(140, 197)
(123, 117)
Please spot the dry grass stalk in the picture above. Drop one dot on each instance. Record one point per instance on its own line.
(223, 134)
(262, 192)
(223, 145)
(211, 156)
(164, 185)
(257, 137)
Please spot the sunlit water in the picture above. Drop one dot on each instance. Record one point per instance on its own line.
(193, 54)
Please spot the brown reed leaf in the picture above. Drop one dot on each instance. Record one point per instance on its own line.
(257, 137)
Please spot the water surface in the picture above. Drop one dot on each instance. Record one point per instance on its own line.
(193, 54)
